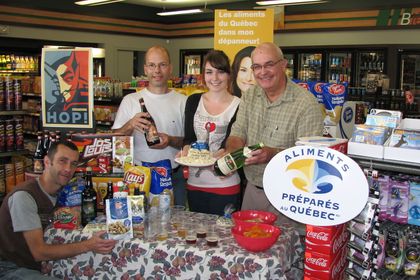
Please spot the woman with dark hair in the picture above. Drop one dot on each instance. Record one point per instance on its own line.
(209, 116)
(242, 76)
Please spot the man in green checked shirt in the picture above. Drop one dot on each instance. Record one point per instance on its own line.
(276, 112)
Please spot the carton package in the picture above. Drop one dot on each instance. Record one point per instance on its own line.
(95, 151)
(338, 144)
(100, 185)
(330, 248)
(319, 266)
(122, 153)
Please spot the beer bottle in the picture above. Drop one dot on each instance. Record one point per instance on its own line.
(109, 194)
(46, 142)
(39, 155)
(151, 134)
(234, 160)
(89, 209)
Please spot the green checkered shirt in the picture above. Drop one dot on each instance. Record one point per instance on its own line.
(295, 114)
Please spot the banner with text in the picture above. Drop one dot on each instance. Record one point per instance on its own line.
(235, 30)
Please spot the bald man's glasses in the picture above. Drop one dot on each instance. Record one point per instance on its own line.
(267, 66)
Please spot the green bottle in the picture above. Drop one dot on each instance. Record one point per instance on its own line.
(234, 160)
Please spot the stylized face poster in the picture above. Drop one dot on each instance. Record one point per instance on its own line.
(67, 91)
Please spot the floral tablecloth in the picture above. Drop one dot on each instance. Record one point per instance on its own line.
(174, 259)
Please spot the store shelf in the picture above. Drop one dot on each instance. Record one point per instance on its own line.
(30, 94)
(18, 72)
(33, 114)
(388, 165)
(104, 123)
(108, 99)
(12, 113)
(13, 153)
(30, 132)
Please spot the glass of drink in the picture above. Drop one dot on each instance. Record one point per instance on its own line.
(182, 228)
(212, 237)
(191, 236)
(201, 229)
(162, 233)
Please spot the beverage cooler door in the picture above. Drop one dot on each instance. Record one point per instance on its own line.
(310, 66)
(339, 67)
(191, 61)
(368, 61)
(290, 70)
(409, 65)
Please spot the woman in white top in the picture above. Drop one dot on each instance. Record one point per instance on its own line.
(210, 115)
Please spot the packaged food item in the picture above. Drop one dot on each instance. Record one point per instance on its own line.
(122, 153)
(161, 181)
(334, 96)
(95, 151)
(405, 138)
(137, 176)
(118, 219)
(100, 185)
(69, 200)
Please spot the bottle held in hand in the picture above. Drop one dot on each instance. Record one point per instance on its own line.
(235, 160)
(151, 134)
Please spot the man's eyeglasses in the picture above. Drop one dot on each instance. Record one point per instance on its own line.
(268, 65)
(153, 66)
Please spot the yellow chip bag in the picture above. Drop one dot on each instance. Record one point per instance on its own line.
(137, 176)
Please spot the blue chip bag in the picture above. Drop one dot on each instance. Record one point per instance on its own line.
(161, 173)
(71, 194)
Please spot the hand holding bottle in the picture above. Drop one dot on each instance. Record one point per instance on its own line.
(263, 155)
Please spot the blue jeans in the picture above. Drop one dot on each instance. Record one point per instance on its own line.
(178, 183)
(10, 271)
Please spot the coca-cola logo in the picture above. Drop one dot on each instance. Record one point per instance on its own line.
(321, 262)
(337, 268)
(133, 178)
(323, 236)
(339, 241)
(336, 89)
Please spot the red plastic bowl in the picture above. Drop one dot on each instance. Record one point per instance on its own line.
(255, 244)
(254, 216)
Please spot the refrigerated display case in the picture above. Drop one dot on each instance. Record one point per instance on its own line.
(409, 63)
(290, 70)
(191, 61)
(368, 61)
(310, 66)
(339, 67)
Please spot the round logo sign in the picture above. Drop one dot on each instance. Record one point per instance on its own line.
(315, 185)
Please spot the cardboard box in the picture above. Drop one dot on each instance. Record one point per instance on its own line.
(319, 266)
(100, 184)
(95, 151)
(366, 150)
(339, 239)
(403, 154)
(122, 153)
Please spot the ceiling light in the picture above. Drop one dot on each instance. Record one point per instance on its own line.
(96, 2)
(183, 12)
(288, 2)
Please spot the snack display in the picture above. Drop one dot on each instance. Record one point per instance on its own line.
(122, 153)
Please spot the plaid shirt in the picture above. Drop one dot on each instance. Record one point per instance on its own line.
(296, 113)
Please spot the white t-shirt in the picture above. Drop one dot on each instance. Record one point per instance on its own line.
(218, 127)
(168, 112)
